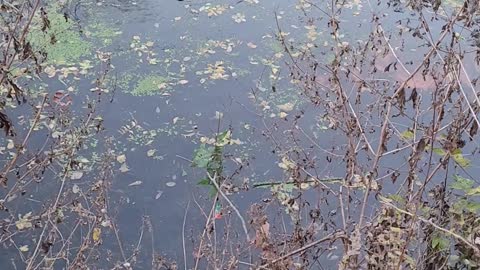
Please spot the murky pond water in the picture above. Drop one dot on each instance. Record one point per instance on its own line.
(169, 76)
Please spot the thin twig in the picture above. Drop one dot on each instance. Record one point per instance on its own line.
(183, 236)
(330, 237)
(424, 220)
(25, 140)
(315, 180)
(244, 225)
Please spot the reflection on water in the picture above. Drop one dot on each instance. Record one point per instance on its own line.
(183, 71)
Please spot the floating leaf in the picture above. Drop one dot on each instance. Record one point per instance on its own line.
(175, 120)
(287, 107)
(124, 168)
(75, 175)
(121, 158)
(136, 183)
(171, 184)
(10, 144)
(239, 18)
(151, 152)
(24, 222)
(286, 164)
(159, 194)
(106, 223)
(23, 248)
(251, 45)
(75, 189)
(83, 160)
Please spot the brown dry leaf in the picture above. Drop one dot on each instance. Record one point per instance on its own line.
(266, 229)
(262, 236)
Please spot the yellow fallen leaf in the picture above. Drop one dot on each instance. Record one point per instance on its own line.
(24, 222)
(96, 235)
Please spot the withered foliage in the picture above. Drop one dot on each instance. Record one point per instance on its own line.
(407, 127)
(405, 132)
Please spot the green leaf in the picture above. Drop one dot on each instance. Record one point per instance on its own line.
(202, 156)
(439, 151)
(223, 138)
(461, 160)
(457, 151)
(473, 207)
(466, 205)
(407, 134)
(440, 243)
(473, 191)
(213, 191)
(204, 182)
(461, 183)
(396, 198)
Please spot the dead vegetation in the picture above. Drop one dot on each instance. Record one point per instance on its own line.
(399, 190)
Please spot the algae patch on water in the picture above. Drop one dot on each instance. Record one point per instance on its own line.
(151, 85)
(62, 42)
(102, 33)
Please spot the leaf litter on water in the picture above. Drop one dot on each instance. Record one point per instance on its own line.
(136, 183)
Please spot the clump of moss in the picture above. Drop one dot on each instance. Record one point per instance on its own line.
(62, 41)
(151, 85)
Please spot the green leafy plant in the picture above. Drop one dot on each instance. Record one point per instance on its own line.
(209, 156)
